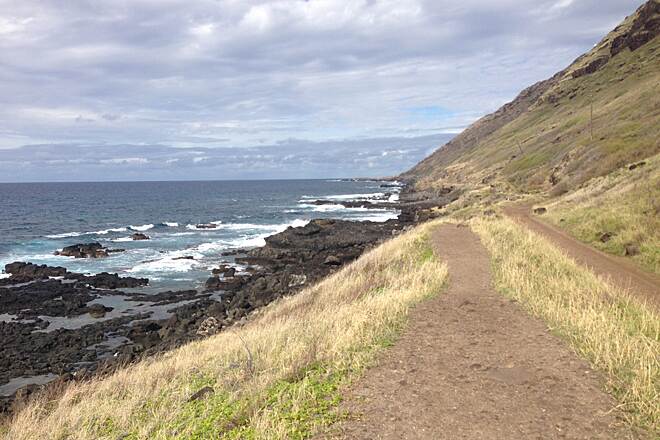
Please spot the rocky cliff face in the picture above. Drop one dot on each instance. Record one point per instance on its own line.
(644, 26)
(635, 31)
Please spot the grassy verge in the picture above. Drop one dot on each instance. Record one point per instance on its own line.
(618, 334)
(610, 212)
(277, 377)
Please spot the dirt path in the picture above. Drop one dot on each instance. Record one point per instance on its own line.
(471, 364)
(617, 270)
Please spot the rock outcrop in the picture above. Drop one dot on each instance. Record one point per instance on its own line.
(206, 226)
(86, 250)
(22, 272)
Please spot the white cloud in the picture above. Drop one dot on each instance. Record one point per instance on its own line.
(258, 19)
(125, 161)
(253, 72)
(561, 4)
(13, 25)
(291, 159)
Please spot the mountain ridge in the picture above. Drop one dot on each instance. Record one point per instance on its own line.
(525, 126)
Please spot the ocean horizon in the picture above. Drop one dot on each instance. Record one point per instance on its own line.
(40, 218)
(354, 179)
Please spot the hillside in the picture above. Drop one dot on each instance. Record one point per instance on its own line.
(542, 138)
(590, 122)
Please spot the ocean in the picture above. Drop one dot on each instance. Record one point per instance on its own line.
(36, 219)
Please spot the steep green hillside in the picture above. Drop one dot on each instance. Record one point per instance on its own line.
(546, 139)
(572, 143)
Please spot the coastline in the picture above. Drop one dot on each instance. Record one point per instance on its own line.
(102, 337)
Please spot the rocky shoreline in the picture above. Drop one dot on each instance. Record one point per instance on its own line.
(58, 326)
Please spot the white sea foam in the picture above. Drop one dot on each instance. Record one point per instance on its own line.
(167, 263)
(264, 228)
(43, 257)
(321, 208)
(65, 235)
(213, 246)
(393, 198)
(344, 197)
(335, 208)
(298, 223)
(122, 239)
(185, 253)
(141, 228)
(107, 231)
(247, 240)
(77, 234)
(4, 275)
(243, 226)
(195, 228)
(379, 217)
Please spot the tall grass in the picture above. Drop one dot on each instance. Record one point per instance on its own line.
(624, 204)
(617, 333)
(277, 377)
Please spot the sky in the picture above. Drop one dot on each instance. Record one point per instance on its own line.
(214, 89)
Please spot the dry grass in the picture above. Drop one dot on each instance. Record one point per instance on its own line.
(617, 333)
(625, 204)
(277, 377)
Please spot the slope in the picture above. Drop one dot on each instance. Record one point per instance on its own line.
(546, 139)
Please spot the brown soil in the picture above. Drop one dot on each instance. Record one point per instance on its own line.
(471, 364)
(617, 270)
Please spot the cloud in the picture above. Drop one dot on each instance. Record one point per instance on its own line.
(292, 158)
(224, 72)
(125, 161)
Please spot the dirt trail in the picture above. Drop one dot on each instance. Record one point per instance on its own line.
(471, 364)
(617, 270)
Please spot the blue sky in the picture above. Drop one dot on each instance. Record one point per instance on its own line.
(257, 75)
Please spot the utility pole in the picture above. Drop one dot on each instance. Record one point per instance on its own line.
(591, 116)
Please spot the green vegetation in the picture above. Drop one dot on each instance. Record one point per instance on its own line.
(545, 146)
(556, 132)
(618, 210)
